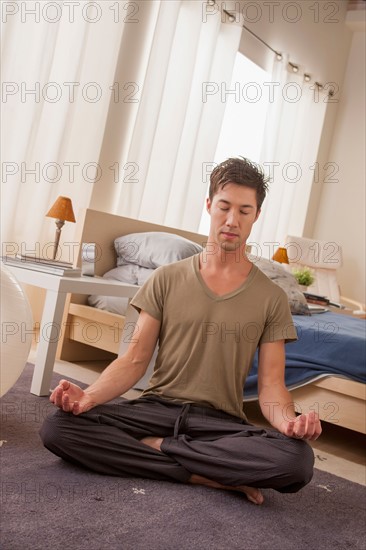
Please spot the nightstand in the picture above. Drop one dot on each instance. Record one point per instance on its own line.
(346, 311)
(57, 288)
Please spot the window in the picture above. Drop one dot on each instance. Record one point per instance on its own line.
(242, 130)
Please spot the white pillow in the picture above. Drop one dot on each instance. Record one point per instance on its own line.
(153, 249)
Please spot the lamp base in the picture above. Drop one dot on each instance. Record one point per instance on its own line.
(59, 225)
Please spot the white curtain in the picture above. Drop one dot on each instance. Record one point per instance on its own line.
(57, 66)
(178, 119)
(104, 104)
(291, 142)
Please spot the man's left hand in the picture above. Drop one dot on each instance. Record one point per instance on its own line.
(305, 426)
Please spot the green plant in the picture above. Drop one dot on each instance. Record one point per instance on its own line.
(304, 276)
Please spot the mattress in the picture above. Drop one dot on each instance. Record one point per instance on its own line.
(328, 344)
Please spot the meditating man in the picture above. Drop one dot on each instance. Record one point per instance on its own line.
(208, 313)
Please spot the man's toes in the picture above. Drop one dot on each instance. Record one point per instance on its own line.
(254, 495)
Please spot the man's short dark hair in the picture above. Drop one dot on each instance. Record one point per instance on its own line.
(242, 172)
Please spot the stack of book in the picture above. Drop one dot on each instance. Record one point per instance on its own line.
(318, 304)
(316, 299)
(54, 267)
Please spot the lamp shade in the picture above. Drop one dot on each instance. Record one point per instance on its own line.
(280, 256)
(62, 210)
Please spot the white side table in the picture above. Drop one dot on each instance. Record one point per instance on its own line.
(57, 289)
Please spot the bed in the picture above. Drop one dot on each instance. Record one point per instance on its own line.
(327, 343)
(318, 366)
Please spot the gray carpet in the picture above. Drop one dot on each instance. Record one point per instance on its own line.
(49, 504)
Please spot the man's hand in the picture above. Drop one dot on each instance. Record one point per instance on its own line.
(305, 426)
(71, 398)
(120, 376)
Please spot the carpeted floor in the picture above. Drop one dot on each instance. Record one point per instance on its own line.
(47, 503)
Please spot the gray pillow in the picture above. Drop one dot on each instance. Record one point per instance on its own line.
(284, 279)
(153, 249)
(124, 274)
(113, 304)
(130, 273)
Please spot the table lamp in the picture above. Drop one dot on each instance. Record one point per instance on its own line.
(63, 212)
(281, 256)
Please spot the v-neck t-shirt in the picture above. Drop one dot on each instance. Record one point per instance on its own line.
(207, 341)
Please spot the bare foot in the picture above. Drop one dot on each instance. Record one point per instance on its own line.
(252, 493)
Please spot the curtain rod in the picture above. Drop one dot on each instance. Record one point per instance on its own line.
(293, 66)
(278, 54)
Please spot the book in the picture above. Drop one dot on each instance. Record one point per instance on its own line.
(316, 299)
(42, 261)
(43, 267)
(321, 300)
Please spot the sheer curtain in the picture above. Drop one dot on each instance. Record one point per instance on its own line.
(104, 103)
(178, 119)
(54, 107)
(291, 141)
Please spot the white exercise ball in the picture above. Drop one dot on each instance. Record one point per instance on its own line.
(16, 330)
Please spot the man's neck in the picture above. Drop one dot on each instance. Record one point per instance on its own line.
(224, 272)
(216, 258)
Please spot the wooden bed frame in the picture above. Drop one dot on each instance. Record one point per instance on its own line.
(337, 400)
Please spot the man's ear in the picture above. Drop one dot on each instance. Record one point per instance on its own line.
(208, 205)
(257, 214)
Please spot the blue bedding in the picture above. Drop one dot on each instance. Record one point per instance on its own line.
(328, 344)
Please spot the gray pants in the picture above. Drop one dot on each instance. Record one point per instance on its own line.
(197, 440)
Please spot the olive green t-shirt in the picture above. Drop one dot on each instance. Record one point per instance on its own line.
(207, 342)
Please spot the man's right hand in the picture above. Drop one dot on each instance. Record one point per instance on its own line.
(118, 377)
(71, 398)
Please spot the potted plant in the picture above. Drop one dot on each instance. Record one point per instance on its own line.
(304, 276)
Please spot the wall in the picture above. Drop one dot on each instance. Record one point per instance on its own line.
(341, 212)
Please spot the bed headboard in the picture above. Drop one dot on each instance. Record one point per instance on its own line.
(102, 228)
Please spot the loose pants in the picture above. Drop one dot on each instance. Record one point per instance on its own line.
(196, 440)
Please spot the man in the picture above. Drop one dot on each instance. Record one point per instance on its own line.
(209, 314)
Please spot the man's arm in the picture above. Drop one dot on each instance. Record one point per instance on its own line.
(118, 377)
(275, 400)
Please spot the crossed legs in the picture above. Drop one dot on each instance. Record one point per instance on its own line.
(157, 439)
